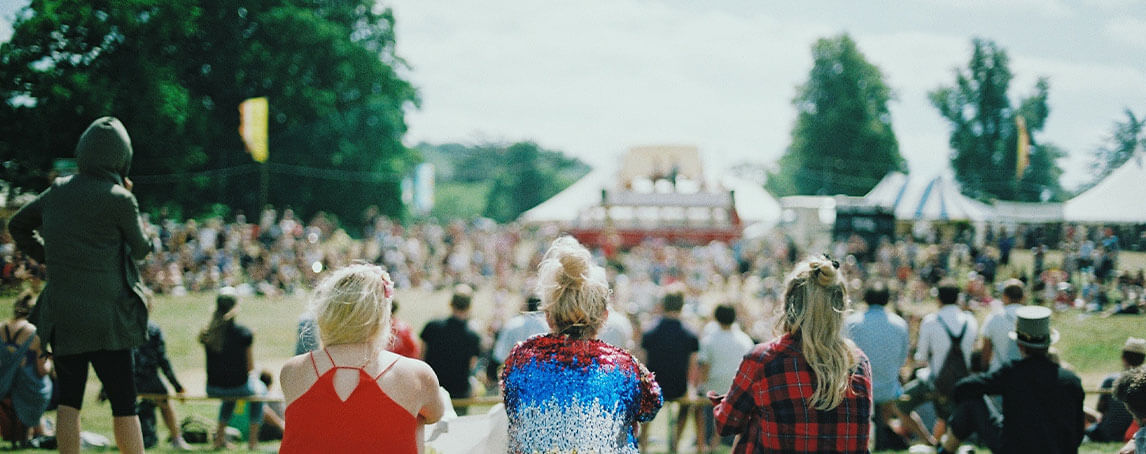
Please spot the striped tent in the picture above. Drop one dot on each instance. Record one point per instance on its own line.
(917, 199)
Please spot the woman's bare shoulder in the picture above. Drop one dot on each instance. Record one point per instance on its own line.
(296, 376)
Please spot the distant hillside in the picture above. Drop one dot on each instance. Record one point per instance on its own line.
(499, 181)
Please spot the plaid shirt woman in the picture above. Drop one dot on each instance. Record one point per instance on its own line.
(808, 390)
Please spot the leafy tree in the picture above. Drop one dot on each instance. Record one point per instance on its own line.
(842, 142)
(984, 135)
(497, 180)
(1125, 137)
(175, 71)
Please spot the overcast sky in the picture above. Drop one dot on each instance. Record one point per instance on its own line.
(594, 77)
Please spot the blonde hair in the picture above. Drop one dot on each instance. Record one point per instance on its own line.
(352, 305)
(815, 300)
(573, 291)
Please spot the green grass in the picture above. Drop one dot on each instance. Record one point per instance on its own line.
(1089, 344)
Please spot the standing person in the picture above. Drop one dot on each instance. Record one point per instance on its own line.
(808, 390)
(151, 358)
(354, 396)
(451, 347)
(949, 329)
(1113, 418)
(1042, 402)
(670, 349)
(519, 328)
(402, 339)
(720, 353)
(25, 366)
(230, 361)
(998, 348)
(883, 337)
(86, 229)
(567, 391)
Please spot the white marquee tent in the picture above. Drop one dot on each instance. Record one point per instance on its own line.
(1118, 198)
(755, 206)
(918, 199)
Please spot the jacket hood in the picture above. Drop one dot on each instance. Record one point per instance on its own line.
(104, 150)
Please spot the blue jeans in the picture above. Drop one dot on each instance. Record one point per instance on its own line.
(253, 387)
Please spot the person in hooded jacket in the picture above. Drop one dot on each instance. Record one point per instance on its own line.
(92, 307)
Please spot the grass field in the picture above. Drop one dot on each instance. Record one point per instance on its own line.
(1089, 344)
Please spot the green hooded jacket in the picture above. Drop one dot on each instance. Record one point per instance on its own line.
(86, 229)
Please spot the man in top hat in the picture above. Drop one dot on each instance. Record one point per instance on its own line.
(1113, 419)
(1042, 402)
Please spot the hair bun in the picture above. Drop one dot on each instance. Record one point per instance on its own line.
(573, 270)
(823, 271)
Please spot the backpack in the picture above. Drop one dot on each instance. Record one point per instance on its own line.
(954, 367)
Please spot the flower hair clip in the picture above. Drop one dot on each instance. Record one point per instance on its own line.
(387, 285)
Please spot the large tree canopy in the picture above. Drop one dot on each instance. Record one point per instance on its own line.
(984, 132)
(842, 142)
(175, 71)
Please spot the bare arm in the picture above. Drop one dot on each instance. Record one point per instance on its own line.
(435, 398)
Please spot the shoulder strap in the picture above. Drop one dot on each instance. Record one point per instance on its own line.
(314, 364)
(387, 369)
(332, 363)
(954, 340)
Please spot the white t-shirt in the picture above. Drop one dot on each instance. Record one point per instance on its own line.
(617, 331)
(517, 329)
(934, 342)
(997, 329)
(722, 350)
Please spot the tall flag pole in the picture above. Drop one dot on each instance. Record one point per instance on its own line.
(1024, 147)
(253, 114)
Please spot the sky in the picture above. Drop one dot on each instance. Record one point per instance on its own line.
(594, 77)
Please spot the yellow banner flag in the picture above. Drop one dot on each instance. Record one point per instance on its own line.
(253, 127)
(1024, 148)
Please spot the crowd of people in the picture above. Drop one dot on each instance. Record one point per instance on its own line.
(752, 340)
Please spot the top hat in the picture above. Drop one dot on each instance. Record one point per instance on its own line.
(1032, 327)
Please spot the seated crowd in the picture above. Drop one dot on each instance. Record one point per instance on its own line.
(762, 331)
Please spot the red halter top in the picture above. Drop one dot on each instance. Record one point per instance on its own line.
(368, 421)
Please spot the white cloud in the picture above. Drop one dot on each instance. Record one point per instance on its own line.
(1126, 30)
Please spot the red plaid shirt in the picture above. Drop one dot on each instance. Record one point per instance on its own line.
(770, 405)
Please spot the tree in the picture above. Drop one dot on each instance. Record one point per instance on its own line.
(984, 132)
(842, 142)
(527, 178)
(175, 71)
(496, 180)
(1125, 137)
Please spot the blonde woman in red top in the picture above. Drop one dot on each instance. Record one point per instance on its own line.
(352, 395)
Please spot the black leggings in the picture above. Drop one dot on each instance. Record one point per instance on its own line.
(115, 371)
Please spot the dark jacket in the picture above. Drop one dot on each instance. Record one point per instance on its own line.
(89, 233)
(1042, 404)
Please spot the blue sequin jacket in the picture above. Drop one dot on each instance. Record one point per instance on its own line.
(565, 395)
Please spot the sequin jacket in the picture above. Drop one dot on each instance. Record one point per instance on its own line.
(566, 395)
